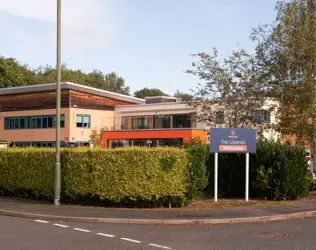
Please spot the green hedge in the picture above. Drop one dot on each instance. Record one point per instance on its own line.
(277, 172)
(198, 176)
(113, 175)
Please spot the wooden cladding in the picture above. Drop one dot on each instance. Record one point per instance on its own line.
(47, 100)
(33, 101)
(88, 101)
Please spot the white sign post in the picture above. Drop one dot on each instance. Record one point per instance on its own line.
(215, 176)
(247, 177)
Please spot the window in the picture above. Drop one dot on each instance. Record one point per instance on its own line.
(184, 121)
(45, 122)
(83, 121)
(22, 123)
(50, 122)
(219, 117)
(261, 116)
(32, 122)
(162, 121)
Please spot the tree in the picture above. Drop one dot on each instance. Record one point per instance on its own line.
(146, 92)
(184, 96)
(13, 74)
(96, 79)
(116, 84)
(288, 48)
(230, 89)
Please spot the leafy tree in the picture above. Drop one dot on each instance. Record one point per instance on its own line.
(288, 49)
(13, 74)
(232, 87)
(184, 96)
(146, 92)
(115, 83)
(111, 82)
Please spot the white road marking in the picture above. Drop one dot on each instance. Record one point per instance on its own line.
(159, 246)
(131, 240)
(60, 225)
(42, 221)
(82, 230)
(106, 235)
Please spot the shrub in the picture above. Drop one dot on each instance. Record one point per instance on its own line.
(132, 173)
(282, 171)
(27, 172)
(198, 177)
(113, 175)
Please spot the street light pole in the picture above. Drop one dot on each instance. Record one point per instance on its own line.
(58, 66)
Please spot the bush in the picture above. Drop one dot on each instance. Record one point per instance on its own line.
(198, 177)
(132, 173)
(282, 171)
(27, 172)
(113, 175)
(277, 172)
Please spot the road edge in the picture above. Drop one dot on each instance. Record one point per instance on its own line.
(258, 219)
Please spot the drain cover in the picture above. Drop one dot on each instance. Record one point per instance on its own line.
(274, 235)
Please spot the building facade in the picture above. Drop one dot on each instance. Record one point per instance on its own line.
(28, 113)
(27, 117)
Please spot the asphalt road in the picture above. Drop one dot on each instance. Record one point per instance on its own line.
(16, 234)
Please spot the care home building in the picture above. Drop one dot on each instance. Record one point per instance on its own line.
(27, 117)
(27, 114)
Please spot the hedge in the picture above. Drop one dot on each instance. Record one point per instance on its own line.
(114, 175)
(277, 172)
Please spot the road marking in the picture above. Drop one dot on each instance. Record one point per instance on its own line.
(131, 240)
(159, 246)
(106, 235)
(42, 221)
(82, 230)
(60, 225)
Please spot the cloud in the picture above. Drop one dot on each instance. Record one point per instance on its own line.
(85, 24)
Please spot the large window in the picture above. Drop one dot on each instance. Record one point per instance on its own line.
(159, 121)
(183, 121)
(83, 121)
(261, 116)
(33, 122)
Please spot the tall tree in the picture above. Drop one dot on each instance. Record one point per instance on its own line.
(184, 96)
(146, 92)
(288, 48)
(110, 82)
(13, 74)
(230, 89)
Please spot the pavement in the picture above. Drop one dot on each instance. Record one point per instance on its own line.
(234, 215)
(27, 234)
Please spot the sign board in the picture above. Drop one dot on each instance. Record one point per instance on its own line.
(232, 140)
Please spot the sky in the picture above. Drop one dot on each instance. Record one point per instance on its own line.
(147, 42)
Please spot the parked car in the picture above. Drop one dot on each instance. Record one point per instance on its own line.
(69, 144)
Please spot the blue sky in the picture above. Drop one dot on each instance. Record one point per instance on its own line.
(147, 42)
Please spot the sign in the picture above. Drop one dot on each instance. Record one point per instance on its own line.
(232, 140)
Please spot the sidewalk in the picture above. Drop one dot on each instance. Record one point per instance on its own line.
(245, 214)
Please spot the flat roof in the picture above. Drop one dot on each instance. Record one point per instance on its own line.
(70, 86)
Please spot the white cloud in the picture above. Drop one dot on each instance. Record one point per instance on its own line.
(85, 24)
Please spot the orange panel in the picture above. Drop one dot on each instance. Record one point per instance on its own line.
(185, 134)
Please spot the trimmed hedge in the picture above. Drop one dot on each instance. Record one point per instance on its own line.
(132, 173)
(198, 176)
(113, 175)
(277, 172)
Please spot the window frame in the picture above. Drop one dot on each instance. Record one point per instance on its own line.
(83, 116)
(14, 122)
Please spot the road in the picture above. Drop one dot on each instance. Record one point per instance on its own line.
(27, 234)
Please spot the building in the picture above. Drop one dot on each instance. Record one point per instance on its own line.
(160, 121)
(27, 114)
(27, 117)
